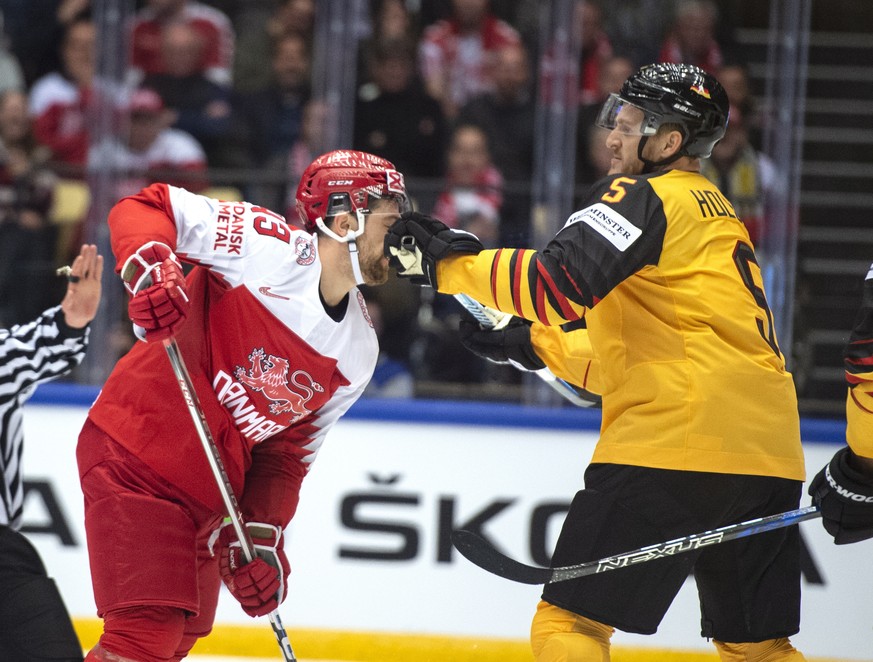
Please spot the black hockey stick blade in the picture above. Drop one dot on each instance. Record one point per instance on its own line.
(480, 552)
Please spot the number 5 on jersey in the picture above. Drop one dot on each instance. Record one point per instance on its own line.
(617, 188)
(750, 272)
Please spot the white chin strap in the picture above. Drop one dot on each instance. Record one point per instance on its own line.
(356, 264)
(351, 240)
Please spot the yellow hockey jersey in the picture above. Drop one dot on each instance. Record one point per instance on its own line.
(858, 360)
(688, 364)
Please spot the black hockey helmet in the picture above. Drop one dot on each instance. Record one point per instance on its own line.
(680, 94)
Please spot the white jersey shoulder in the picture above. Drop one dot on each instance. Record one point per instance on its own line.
(253, 247)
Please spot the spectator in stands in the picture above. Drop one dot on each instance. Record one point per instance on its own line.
(391, 21)
(595, 49)
(395, 117)
(293, 17)
(201, 106)
(736, 84)
(153, 151)
(311, 142)
(596, 159)
(691, 38)
(473, 192)
(456, 54)
(61, 100)
(590, 141)
(257, 43)
(734, 78)
(610, 78)
(26, 236)
(275, 113)
(11, 76)
(636, 28)
(507, 115)
(271, 119)
(35, 29)
(744, 175)
(217, 57)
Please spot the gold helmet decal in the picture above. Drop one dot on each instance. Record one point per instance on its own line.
(702, 91)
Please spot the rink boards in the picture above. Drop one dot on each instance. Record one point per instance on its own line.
(374, 576)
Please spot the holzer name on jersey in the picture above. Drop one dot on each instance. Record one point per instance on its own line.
(229, 229)
(620, 232)
(233, 397)
(713, 204)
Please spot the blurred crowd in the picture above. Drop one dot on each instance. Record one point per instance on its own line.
(217, 97)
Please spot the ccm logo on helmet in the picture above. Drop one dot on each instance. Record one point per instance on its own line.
(843, 492)
(340, 182)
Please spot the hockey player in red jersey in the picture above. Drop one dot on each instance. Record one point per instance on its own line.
(279, 345)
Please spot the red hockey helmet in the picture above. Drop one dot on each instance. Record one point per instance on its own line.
(346, 181)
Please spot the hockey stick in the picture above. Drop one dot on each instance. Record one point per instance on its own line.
(489, 318)
(482, 553)
(221, 479)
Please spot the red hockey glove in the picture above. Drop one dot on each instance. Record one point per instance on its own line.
(259, 586)
(158, 304)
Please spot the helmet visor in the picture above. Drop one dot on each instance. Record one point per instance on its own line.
(629, 119)
(361, 194)
(402, 200)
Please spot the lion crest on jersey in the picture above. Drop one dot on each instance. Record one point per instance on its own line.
(305, 251)
(269, 375)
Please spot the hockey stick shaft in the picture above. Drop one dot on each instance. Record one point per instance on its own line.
(221, 479)
(482, 553)
(490, 318)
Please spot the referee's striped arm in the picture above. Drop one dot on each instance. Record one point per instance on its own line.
(30, 354)
(522, 282)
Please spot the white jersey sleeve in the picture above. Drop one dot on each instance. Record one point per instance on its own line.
(239, 240)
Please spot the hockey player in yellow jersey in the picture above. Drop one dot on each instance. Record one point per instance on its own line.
(700, 426)
(843, 489)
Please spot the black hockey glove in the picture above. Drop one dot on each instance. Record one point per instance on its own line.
(416, 242)
(509, 344)
(845, 496)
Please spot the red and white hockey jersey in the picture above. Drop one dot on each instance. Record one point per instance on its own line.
(273, 371)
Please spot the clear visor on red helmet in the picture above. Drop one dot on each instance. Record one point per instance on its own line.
(362, 199)
(341, 203)
(617, 113)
